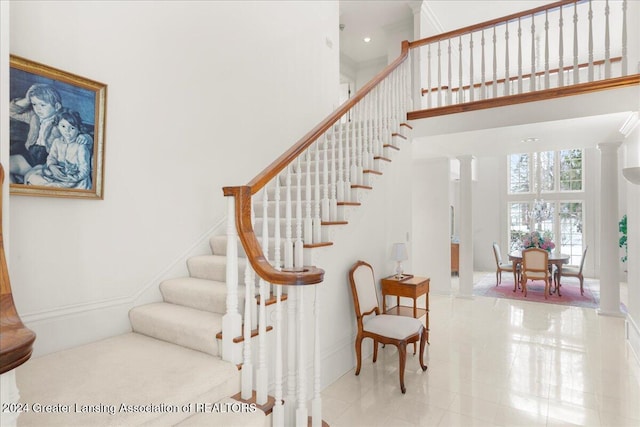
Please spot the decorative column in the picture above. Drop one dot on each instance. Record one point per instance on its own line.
(466, 228)
(609, 275)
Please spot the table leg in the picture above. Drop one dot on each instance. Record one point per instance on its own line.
(415, 316)
(559, 276)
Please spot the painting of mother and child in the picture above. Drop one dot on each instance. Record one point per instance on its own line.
(52, 137)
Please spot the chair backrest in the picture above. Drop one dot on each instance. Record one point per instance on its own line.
(584, 255)
(496, 254)
(535, 259)
(363, 289)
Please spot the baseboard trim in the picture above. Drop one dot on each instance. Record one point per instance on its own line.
(633, 338)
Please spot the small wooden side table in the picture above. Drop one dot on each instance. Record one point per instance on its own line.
(410, 287)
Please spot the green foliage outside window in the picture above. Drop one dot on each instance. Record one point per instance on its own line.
(622, 226)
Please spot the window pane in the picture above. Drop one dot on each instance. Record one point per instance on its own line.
(519, 173)
(547, 182)
(571, 231)
(571, 170)
(518, 225)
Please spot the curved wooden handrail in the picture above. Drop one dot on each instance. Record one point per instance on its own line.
(491, 23)
(242, 194)
(16, 340)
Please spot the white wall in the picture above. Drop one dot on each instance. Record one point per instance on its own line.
(200, 95)
(431, 222)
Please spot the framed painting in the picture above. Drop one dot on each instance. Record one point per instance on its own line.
(57, 132)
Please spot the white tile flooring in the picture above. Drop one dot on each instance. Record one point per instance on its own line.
(498, 362)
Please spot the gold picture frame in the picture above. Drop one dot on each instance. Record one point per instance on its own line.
(57, 132)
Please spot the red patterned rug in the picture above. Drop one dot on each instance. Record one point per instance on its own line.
(570, 291)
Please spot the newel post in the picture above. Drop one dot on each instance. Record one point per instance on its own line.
(232, 320)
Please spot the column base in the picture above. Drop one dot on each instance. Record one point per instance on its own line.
(611, 313)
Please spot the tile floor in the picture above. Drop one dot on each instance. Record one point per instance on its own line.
(498, 362)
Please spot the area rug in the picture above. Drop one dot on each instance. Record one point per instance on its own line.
(570, 291)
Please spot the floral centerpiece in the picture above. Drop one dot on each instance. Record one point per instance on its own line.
(537, 239)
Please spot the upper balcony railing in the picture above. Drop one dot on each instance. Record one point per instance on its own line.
(558, 46)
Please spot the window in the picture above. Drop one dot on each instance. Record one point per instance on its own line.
(545, 192)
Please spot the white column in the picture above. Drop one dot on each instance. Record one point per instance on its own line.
(466, 228)
(9, 395)
(609, 279)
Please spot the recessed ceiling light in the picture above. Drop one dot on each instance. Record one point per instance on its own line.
(367, 39)
(530, 139)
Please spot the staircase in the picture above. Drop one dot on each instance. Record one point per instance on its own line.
(292, 205)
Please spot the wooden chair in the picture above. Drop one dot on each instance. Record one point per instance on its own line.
(381, 328)
(535, 266)
(573, 272)
(503, 266)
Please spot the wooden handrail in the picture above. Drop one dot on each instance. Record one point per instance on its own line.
(242, 194)
(491, 23)
(524, 76)
(16, 340)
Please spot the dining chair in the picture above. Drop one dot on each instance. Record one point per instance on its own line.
(573, 272)
(503, 266)
(535, 266)
(381, 328)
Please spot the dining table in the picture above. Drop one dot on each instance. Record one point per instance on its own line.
(554, 259)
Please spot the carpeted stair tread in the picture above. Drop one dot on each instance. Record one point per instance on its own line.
(213, 267)
(129, 369)
(185, 326)
(201, 294)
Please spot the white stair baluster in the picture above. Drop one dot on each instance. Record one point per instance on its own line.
(232, 320)
(317, 220)
(290, 400)
(302, 416)
(316, 404)
(347, 163)
(249, 321)
(341, 171)
(308, 222)
(298, 247)
(354, 147)
(333, 202)
(471, 76)
(288, 241)
(359, 140)
(278, 409)
(325, 214)
(262, 376)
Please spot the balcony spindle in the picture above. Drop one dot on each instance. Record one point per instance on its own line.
(560, 51)
(439, 92)
(495, 63)
(471, 76)
(624, 38)
(576, 69)
(532, 80)
(546, 50)
(507, 90)
(483, 87)
(428, 76)
(607, 47)
(590, 78)
(519, 57)
(449, 81)
(460, 91)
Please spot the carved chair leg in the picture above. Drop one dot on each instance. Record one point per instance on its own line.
(402, 356)
(358, 354)
(375, 351)
(423, 340)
